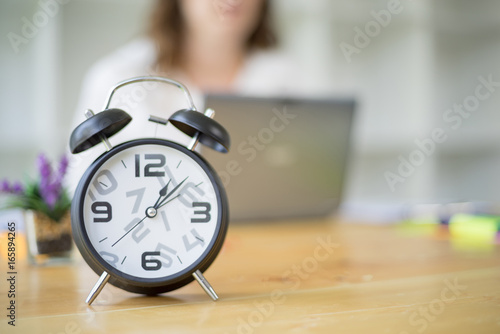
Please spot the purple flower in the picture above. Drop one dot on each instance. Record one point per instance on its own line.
(17, 188)
(45, 193)
(63, 166)
(44, 167)
(45, 188)
(51, 194)
(50, 182)
(5, 186)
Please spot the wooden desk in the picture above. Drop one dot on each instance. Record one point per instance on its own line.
(285, 278)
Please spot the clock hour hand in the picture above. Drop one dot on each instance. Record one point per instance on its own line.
(164, 201)
(163, 192)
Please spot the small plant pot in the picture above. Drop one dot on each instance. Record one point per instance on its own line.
(49, 241)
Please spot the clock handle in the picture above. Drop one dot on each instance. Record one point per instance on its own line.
(150, 78)
(96, 290)
(205, 285)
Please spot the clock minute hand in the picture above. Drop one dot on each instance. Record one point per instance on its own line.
(163, 202)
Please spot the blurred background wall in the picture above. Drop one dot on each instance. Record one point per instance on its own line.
(408, 71)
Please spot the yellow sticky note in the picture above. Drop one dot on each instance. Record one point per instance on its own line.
(476, 229)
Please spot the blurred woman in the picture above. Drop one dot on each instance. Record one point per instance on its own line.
(209, 45)
(209, 42)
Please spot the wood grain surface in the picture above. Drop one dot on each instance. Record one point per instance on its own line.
(284, 277)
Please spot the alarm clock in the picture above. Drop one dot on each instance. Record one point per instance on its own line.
(149, 215)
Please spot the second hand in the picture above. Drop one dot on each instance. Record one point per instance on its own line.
(123, 236)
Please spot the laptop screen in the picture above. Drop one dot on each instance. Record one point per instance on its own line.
(288, 156)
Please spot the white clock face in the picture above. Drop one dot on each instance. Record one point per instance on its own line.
(150, 211)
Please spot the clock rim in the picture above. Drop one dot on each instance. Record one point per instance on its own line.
(139, 284)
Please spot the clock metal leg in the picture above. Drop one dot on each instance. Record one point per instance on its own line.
(96, 290)
(192, 145)
(205, 285)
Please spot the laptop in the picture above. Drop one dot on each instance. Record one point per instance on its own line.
(288, 155)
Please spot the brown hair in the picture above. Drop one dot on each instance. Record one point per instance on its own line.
(167, 29)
